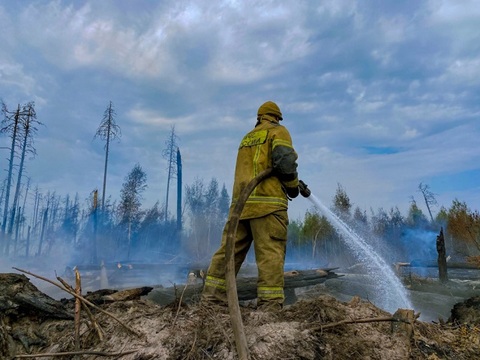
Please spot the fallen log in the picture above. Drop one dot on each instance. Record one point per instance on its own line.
(246, 286)
(434, 264)
(19, 297)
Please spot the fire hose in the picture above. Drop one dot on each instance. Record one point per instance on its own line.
(230, 277)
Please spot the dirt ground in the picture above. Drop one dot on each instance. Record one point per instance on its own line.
(308, 329)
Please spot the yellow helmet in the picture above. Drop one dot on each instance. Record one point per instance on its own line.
(270, 108)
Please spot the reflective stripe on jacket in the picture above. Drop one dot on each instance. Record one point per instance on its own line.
(268, 145)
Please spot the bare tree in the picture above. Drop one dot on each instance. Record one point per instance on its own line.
(179, 190)
(170, 153)
(11, 125)
(108, 131)
(428, 196)
(27, 131)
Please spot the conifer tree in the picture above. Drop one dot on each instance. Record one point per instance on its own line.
(108, 131)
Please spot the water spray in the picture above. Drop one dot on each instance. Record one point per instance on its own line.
(393, 293)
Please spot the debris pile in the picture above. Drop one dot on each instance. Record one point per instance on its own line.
(129, 326)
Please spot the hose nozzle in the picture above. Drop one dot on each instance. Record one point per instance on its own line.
(304, 190)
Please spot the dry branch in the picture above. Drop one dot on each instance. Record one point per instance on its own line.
(94, 322)
(179, 305)
(78, 306)
(73, 353)
(83, 299)
(357, 321)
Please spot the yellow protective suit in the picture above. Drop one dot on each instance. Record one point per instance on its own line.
(264, 219)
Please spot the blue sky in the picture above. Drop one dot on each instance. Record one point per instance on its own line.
(379, 96)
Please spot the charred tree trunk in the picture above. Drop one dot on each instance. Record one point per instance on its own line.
(179, 190)
(442, 258)
(5, 243)
(27, 246)
(95, 227)
(44, 225)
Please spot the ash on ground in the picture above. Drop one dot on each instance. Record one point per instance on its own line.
(311, 328)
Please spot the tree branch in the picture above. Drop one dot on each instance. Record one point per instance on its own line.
(69, 353)
(357, 321)
(83, 299)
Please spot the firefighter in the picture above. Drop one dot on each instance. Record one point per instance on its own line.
(264, 218)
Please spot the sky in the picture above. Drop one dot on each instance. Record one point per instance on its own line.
(378, 96)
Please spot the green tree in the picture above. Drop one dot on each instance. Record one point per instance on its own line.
(379, 222)
(416, 218)
(71, 220)
(223, 204)
(464, 227)
(130, 202)
(341, 202)
(441, 218)
(360, 220)
(295, 233)
(316, 228)
(154, 234)
(208, 209)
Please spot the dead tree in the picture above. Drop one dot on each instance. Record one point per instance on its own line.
(108, 131)
(170, 153)
(28, 130)
(442, 258)
(428, 196)
(11, 124)
(179, 190)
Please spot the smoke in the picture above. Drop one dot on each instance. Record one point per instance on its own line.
(5, 265)
(419, 244)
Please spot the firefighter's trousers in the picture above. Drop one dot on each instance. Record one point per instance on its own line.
(269, 237)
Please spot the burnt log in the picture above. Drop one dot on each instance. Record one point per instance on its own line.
(128, 294)
(466, 312)
(246, 287)
(104, 296)
(19, 298)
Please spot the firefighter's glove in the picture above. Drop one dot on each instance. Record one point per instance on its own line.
(304, 190)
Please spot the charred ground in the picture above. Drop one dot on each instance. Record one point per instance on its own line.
(309, 329)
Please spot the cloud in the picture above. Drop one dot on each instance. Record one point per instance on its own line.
(378, 96)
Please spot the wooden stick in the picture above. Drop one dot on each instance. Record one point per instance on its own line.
(78, 306)
(179, 305)
(83, 299)
(358, 321)
(68, 353)
(87, 310)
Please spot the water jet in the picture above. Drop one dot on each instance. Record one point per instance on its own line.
(390, 293)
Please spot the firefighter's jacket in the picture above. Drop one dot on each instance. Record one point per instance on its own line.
(268, 145)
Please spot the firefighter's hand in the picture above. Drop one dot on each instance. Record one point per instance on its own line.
(304, 190)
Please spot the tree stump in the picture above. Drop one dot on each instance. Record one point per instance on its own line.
(404, 324)
(442, 258)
